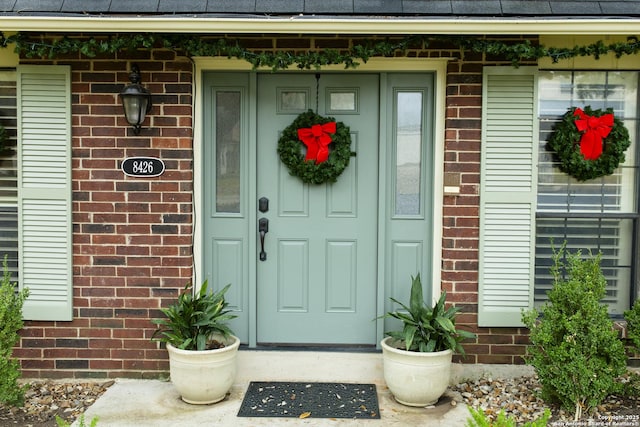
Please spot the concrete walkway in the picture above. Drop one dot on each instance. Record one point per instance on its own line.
(156, 403)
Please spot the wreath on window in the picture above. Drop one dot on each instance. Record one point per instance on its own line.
(589, 143)
(316, 149)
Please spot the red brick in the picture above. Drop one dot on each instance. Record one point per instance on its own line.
(105, 343)
(128, 333)
(508, 349)
(96, 333)
(31, 332)
(495, 339)
(109, 323)
(57, 353)
(28, 364)
(133, 293)
(61, 332)
(105, 364)
(128, 354)
(490, 358)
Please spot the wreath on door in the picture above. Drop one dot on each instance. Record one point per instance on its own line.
(316, 149)
(589, 143)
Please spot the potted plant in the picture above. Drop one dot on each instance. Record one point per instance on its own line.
(417, 360)
(202, 348)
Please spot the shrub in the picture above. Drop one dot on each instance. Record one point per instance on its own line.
(10, 323)
(480, 419)
(574, 347)
(633, 324)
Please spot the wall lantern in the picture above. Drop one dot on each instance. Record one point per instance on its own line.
(136, 100)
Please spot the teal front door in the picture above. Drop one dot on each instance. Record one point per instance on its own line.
(317, 283)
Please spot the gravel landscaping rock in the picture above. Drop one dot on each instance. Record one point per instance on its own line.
(46, 399)
(518, 397)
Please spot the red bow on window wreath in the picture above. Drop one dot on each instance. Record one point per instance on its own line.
(317, 139)
(595, 130)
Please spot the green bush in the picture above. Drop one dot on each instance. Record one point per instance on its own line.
(480, 419)
(633, 324)
(10, 323)
(574, 347)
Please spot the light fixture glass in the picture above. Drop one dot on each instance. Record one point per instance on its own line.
(136, 100)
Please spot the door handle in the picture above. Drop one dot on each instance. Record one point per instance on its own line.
(263, 229)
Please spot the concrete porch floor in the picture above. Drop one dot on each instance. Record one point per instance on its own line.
(156, 403)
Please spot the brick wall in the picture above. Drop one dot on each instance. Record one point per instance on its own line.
(461, 213)
(132, 236)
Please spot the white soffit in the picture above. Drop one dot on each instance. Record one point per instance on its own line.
(309, 25)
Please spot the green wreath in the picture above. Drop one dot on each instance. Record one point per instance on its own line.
(312, 166)
(580, 127)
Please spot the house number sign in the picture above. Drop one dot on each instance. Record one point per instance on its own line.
(142, 166)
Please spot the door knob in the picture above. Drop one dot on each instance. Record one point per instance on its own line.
(263, 229)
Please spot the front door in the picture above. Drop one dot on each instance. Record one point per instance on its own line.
(318, 283)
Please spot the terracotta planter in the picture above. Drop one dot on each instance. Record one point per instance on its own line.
(203, 377)
(415, 379)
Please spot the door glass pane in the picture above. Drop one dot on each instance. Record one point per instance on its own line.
(408, 136)
(227, 118)
(290, 100)
(342, 101)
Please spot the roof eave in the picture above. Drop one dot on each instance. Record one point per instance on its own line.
(314, 25)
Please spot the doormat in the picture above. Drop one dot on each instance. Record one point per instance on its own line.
(310, 400)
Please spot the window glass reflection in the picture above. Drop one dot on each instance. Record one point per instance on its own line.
(228, 152)
(408, 152)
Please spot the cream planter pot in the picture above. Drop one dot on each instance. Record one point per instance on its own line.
(203, 377)
(415, 379)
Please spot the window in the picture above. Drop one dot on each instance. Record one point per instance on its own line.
(8, 174)
(227, 117)
(600, 215)
(408, 151)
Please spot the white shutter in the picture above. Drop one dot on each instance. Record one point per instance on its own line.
(44, 191)
(508, 195)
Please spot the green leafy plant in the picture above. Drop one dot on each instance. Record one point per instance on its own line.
(193, 321)
(428, 329)
(33, 46)
(633, 324)
(574, 347)
(480, 419)
(10, 324)
(81, 423)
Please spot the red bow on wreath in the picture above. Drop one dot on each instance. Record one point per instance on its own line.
(595, 129)
(317, 139)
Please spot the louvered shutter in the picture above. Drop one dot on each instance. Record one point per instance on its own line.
(508, 195)
(44, 191)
